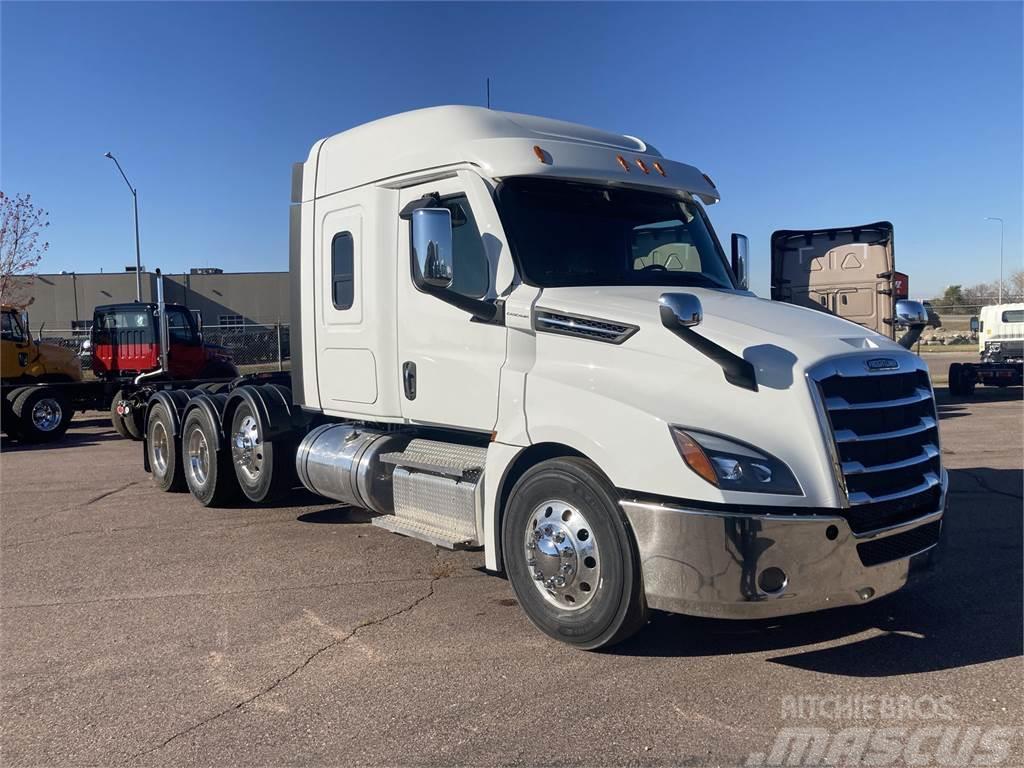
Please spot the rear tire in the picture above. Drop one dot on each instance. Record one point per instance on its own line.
(164, 450)
(43, 415)
(570, 556)
(208, 472)
(131, 426)
(264, 469)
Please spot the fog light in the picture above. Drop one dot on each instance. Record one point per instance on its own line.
(772, 580)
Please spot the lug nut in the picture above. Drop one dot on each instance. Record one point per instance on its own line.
(559, 537)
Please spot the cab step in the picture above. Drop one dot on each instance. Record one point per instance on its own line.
(437, 493)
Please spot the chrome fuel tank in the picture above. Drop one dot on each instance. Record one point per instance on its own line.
(342, 462)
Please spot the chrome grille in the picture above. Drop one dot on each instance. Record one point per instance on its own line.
(886, 440)
(550, 321)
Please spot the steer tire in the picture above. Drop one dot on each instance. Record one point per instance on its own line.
(208, 472)
(264, 468)
(43, 415)
(603, 600)
(164, 450)
(955, 384)
(11, 424)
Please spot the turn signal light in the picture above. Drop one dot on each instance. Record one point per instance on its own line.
(694, 456)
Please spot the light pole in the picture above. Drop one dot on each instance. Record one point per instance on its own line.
(996, 218)
(138, 255)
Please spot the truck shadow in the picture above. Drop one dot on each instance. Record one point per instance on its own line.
(968, 612)
(943, 398)
(71, 439)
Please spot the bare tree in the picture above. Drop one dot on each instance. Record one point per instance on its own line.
(21, 224)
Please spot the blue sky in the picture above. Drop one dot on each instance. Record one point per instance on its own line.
(805, 114)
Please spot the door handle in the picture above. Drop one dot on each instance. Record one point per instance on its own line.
(409, 379)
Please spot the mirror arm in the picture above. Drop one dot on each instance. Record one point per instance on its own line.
(483, 311)
(737, 371)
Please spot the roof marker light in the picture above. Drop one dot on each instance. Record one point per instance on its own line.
(623, 163)
(543, 156)
(659, 169)
(642, 166)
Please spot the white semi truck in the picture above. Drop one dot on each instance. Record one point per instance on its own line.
(523, 335)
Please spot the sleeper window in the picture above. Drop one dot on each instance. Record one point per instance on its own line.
(342, 275)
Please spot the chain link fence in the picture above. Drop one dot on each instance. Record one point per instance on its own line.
(264, 347)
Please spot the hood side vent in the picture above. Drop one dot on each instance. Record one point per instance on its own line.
(594, 328)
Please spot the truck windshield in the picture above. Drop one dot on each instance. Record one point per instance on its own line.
(566, 233)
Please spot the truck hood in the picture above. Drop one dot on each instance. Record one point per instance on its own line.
(746, 325)
(653, 378)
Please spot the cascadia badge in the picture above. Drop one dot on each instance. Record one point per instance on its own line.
(881, 364)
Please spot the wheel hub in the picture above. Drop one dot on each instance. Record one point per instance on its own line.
(46, 414)
(198, 457)
(246, 449)
(160, 448)
(562, 555)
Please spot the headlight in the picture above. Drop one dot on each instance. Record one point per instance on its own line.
(733, 466)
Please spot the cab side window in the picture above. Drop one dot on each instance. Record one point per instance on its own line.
(472, 269)
(342, 270)
(7, 329)
(180, 328)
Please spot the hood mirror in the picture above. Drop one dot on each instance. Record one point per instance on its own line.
(680, 310)
(910, 313)
(912, 316)
(741, 261)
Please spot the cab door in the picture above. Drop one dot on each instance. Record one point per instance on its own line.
(186, 356)
(448, 363)
(15, 347)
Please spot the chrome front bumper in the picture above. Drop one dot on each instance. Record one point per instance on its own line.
(711, 564)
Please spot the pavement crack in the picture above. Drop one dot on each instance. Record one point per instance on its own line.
(105, 494)
(987, 487)
(296, 670)
(229, 593)
(93, 500)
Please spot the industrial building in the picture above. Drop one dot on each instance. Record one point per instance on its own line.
(66, 301)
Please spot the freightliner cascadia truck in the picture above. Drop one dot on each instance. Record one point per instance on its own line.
(523, 336)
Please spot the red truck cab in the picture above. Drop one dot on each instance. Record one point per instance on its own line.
(126, 343)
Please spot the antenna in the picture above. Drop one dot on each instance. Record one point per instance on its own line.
(488, 93)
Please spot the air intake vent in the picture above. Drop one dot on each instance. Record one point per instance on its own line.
(550, 321)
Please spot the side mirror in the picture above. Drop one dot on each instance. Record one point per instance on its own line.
(975, 325)
(680, 310)
(432, 247)
(740, 264)
(910, 313)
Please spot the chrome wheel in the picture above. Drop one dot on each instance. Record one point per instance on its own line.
(562, 555)
(160, 448)
(198, 458)
(47, 414)
(247, 449)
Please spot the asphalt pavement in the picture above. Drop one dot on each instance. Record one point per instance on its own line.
(139, 628)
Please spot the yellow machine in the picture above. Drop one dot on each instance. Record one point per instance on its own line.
(33, 411)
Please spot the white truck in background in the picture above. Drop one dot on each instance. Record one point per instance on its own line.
(1000, 330)
(523, 335)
